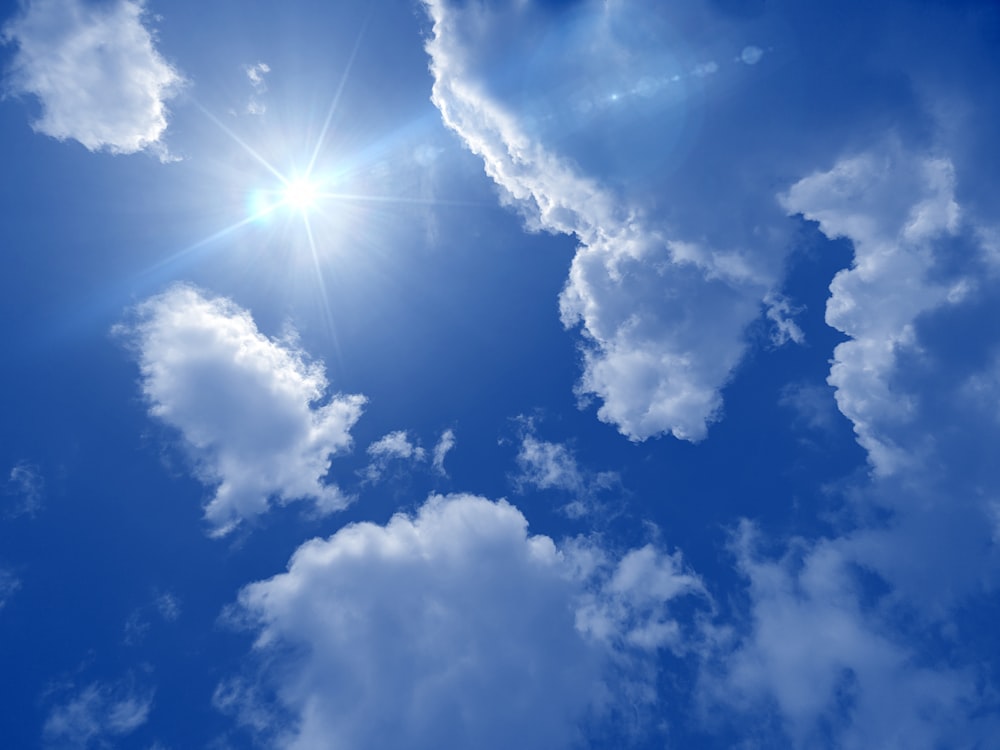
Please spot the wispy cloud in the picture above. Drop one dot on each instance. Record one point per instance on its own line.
(27, 486)
(255, 74)
(97, 714)
(395, 446)
(246, 406)
(96, 73)
(9, 584)
(545, 465)
(442, 448)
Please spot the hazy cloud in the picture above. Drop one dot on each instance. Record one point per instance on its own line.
(27, 486)
(97, 714)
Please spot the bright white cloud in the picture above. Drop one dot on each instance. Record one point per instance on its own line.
(97, 714)
(96, 73)
(663, 319)
(453, 627)
(894, 207)
(249, 409)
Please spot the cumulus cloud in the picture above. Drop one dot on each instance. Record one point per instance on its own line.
(96, 72)
(97, 714)
(252, 411)
(452, 627)
(663, 318)
(894, 207)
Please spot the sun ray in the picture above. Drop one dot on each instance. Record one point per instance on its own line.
(246, 146)
(336, 97)
(325, 300)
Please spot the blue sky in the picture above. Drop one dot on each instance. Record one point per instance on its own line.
(428, 373)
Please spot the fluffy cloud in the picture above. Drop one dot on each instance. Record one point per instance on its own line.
(452, 627)
(95, 71)
(896, 209)
(97, 714)
(663, 319)
(249, 409)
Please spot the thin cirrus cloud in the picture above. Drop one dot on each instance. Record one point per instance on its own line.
(96, 73)
(97, 714)
(253, 412)
(26, 486)
(455, 627)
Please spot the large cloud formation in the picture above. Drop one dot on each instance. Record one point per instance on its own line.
(838, 649)
(663, 317)
(456, 628)
(248, 408)
(95, 71)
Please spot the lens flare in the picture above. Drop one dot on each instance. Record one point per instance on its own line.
(301, 194)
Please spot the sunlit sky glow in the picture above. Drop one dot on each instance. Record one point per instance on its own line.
(550, 374)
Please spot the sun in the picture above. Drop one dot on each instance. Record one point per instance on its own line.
(300, 193)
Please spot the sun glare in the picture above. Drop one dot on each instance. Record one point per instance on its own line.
(301, 194)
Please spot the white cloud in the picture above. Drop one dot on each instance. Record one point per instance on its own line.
(95, 71)
(441, 449)
(96, 714)
(255, 74)
(548, 466)
(780, 311)
(836, 673)
(453, 627)
(544, 465)
(894, 207)
(249, 408)
(663, 319)
(395, 446)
